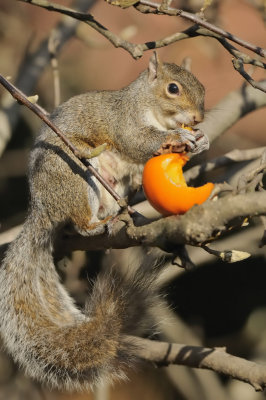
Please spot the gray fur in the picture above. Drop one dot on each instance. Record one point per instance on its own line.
(42, 328)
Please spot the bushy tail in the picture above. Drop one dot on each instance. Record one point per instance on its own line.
(54, 341)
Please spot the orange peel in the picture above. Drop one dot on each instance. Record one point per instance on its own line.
(165, 186)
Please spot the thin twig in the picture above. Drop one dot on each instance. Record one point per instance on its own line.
(225, 160)
(137, 50)
(245, 58)
(53, 44)
(239, 67)
(199, 21)
(249, 182)
(31, 68)
(89, 20)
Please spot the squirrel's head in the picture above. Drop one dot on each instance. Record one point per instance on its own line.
(179, 96)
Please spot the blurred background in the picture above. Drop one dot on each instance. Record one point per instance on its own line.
(217, 304)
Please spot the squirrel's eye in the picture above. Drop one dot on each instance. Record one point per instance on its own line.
(173, 88)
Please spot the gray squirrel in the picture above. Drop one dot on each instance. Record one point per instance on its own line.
(41, 327)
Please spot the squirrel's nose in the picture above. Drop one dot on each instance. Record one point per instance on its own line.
(197, 117)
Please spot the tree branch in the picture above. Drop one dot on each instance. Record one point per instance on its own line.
(89, 20)
(238, 64)
(214, 359)
(32, 67)
(230, 109)
(199, 21)
(137, 50)
(195, 227)
(225, 160)
(202, 223)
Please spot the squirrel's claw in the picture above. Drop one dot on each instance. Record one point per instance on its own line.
(195, 141)
(185, 141)
(202, 142)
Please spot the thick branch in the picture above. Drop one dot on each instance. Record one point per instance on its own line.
(214, 359)
(200, 224)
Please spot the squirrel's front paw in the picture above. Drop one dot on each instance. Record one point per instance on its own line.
(194, 141)
(202, 142)
(171, 146)
(179, 142)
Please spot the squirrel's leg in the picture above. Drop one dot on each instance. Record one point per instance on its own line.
(84, 149)
(178, 141)
(83, 211)
(91, 226)
(85, 217)
(154, 141)
(92, 152)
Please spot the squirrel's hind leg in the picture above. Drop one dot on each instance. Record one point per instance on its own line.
(92, 226)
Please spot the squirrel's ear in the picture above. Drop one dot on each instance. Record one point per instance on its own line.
(186, 64)
(154, 66)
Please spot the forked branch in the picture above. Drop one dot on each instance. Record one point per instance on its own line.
(201, 28)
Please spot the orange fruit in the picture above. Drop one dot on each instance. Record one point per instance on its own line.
(188, 128)
(165, 186)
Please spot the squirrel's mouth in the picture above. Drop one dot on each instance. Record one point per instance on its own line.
(180, 122)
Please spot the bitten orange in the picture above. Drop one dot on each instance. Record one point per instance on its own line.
(165, 186)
